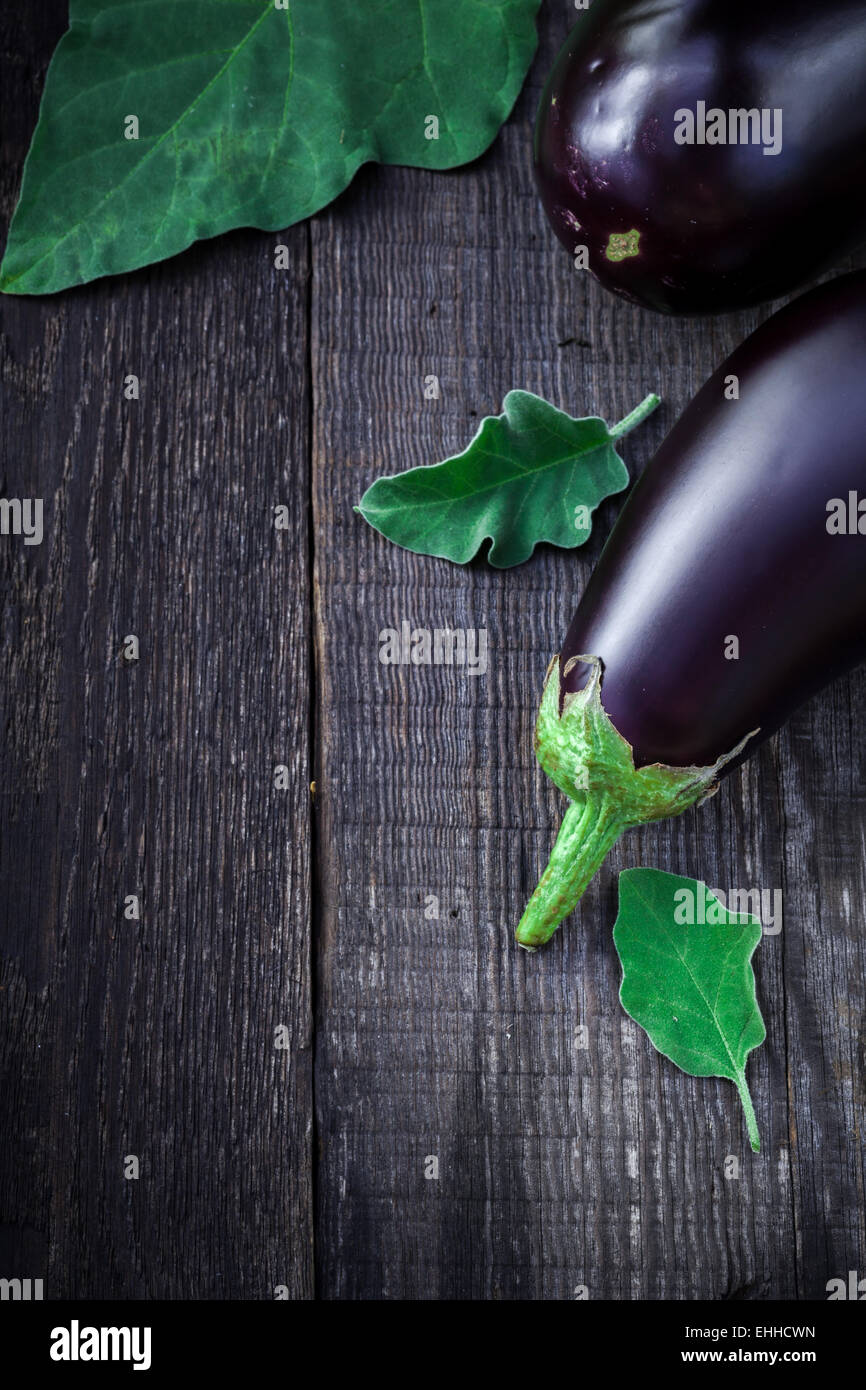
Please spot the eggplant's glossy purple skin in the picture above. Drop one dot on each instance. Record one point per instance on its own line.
(725, 535)
(720, 226)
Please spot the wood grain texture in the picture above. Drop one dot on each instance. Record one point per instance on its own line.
(561, 1167)
(156, 1037)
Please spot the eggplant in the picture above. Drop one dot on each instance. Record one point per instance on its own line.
(731, 589)
(717, 224)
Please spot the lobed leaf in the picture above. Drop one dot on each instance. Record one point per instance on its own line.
(531, 474)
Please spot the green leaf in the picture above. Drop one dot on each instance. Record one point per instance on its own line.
(248, 115)
(687, 976)
(531, 474)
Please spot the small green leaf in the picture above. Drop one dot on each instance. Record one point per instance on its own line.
(531, 474)
(687, 976)
(247, 115)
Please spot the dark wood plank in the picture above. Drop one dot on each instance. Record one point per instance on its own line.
(559, 1167)
(156, 1037)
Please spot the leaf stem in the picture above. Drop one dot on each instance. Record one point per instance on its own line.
(748, 1107)
(636, 416)
(590, 827)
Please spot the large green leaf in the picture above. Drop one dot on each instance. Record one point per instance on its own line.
(687, 976)
(531, 474)
(248, 115)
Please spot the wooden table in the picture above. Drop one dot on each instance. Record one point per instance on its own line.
(321, 994)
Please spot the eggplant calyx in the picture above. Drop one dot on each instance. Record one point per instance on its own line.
(591, 762)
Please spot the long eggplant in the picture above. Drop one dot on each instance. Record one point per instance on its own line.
(732, 588)
(708, 154)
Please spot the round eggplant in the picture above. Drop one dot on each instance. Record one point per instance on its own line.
(707, 155)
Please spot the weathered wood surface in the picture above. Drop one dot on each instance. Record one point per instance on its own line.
(559, 1166)
(156, 1037)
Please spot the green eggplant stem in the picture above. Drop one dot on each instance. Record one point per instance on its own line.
(589, 830)
(637, 416)
(748, 1107)
(593, 765)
